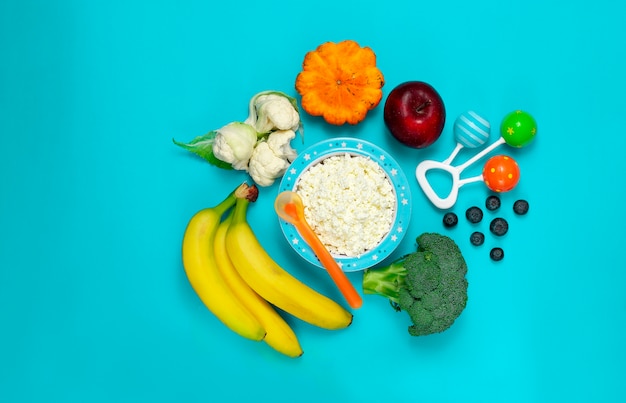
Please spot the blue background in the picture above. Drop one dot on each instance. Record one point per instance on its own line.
(94, 199)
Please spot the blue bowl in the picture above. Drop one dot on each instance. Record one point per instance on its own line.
(402, 215)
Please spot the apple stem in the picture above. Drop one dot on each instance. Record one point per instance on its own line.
(422, 106)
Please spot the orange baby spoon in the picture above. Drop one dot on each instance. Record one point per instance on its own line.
(289, 207)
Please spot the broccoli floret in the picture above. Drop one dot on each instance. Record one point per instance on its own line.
(428, 284)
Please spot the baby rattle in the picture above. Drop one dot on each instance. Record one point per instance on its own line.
(500, 173)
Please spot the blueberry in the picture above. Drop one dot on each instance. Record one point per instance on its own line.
(496, 254)
(477, 238)
(492, 203)
(520, 207)
(499, 226)
(450, 220)
(474, 214)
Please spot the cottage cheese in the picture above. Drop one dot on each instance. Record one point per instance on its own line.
(349, 202)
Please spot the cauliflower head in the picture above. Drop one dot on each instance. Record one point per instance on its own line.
(234, 144)
(271, 158)
(275, 112)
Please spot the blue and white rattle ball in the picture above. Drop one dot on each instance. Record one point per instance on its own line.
(471, 130)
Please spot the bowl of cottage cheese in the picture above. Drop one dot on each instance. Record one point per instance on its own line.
(356, 199)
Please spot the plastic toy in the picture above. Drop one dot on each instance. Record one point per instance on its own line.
(289, 207)
(500, 174)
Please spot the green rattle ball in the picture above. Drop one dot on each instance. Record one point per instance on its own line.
(518, 128)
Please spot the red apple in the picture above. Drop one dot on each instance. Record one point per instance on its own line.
(415, 114)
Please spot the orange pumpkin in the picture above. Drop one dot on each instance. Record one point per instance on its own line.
(340, 82)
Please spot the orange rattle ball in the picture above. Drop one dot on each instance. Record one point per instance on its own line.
(501, 173)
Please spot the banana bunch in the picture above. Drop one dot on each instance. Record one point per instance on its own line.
(241, 284)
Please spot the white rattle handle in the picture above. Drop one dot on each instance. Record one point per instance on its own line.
(465, 181)
(420, 173)
(427, 165)
(456, 150)
(480, 154)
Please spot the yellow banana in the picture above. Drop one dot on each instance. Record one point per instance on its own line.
(278, 335)
(204, 275)
(274, 283)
